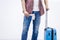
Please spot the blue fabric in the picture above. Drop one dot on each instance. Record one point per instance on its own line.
(26, 24)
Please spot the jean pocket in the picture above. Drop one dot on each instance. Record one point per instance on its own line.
(27, 17)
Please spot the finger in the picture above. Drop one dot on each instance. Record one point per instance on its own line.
(47, 9)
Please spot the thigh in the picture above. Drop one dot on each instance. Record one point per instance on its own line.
(36, 22)
(26, 23)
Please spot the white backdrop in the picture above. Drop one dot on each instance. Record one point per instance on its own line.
(11, 20)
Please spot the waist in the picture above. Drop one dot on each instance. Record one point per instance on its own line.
(35, 12)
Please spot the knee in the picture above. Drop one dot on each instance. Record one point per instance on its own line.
(36, 30)
(24, 31)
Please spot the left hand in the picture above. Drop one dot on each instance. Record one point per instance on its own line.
(47, 8)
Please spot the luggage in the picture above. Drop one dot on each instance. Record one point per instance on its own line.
(49, 33)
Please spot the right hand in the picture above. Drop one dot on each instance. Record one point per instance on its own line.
(26, 13)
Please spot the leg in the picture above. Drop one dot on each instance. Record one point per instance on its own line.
(26, 24)
(36, 23)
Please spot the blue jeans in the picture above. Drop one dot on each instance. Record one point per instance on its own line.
(26, 24)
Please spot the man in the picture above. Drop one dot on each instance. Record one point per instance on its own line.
(32, 7)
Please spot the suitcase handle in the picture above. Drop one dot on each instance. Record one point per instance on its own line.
(46, 20)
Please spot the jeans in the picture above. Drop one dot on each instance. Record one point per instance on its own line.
(26, 24)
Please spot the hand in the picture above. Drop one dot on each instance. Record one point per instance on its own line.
(47, 8)
(26, 13)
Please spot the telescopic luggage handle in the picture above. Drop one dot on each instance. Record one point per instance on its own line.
(46, 20)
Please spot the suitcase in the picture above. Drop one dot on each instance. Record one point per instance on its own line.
(49, 33)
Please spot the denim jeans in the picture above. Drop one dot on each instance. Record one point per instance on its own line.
(26, 24)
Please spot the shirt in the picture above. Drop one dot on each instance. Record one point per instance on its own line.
(35, 5)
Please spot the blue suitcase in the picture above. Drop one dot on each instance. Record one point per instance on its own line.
(49, 33)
